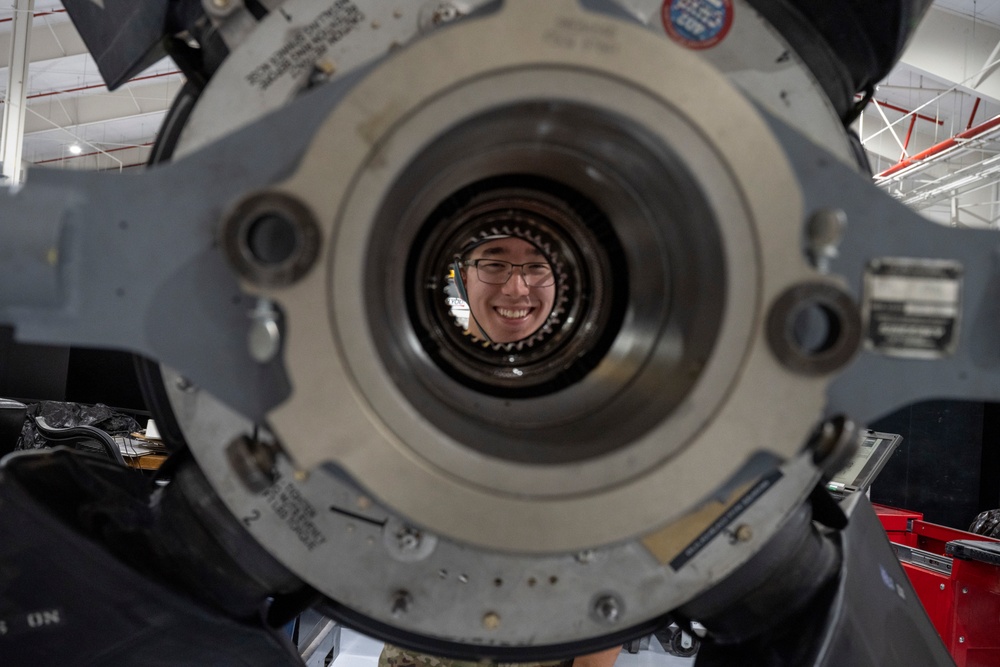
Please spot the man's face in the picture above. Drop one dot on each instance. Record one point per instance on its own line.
(513, 310)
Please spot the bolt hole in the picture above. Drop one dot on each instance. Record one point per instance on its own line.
(498, 582)
(816, 329)
(553, 580)
(271, 239)
(532, 581)
(443, 574)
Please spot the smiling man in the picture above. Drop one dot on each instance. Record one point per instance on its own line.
(510, 288)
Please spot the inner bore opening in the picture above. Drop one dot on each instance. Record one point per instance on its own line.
(513, 285)
(271, 239)
(816, 329)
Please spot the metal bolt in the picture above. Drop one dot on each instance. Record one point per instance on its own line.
(409, 539)
(491, 621)
(608, 608)
(301, 475)
(942, 586)
(253, 462)
(363, 502)
(219, 8)
(401, 601)
(323, 71)
(586, 556)
(743, 533)
(264, 336)
(184, 384)
(965, 591)
(445, 13)
(961, 640)
(834, 443)
(825, 231)
(406, 543)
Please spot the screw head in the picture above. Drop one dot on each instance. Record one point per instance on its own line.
(491, 621)
(608, 609)
(406, 543)
(942, 586)
(408, 538)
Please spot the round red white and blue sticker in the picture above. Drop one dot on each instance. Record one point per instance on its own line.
(697, 24)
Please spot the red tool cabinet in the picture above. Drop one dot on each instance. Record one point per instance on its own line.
(956, 575)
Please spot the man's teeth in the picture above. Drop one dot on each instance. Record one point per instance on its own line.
(513, 314)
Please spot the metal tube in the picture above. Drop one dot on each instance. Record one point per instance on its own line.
(12, 131)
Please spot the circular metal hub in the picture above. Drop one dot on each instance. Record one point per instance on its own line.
(573, 465)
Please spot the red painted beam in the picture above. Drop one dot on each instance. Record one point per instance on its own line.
(941, 147)
(887, 105)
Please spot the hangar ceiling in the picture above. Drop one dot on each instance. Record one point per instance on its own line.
(932, 132)
(68, 104)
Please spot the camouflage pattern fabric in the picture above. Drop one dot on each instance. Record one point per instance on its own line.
(393, 656)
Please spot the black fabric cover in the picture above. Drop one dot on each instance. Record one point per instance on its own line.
(62, 415)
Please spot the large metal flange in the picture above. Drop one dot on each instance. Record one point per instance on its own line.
(387, 414)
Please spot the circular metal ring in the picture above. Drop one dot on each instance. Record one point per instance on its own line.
(814, 328)
(271, 238)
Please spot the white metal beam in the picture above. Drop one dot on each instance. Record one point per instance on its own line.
(12, 130)
(48, 42)
(85, 109)
(956, 48)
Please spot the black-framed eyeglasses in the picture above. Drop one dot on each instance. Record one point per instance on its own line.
(498, 272)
